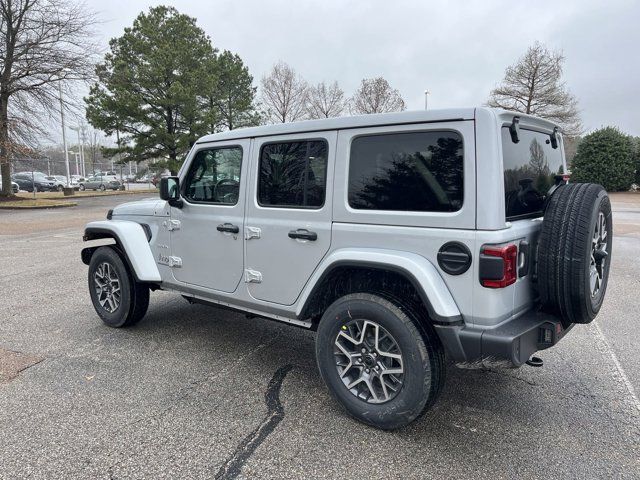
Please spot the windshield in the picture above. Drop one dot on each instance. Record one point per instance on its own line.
(530, 167)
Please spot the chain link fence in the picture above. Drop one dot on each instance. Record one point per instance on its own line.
(131, 175)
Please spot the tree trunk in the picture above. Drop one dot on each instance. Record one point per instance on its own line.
(5, 151)
(5, 171)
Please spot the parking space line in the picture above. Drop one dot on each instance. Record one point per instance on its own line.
(623, 376)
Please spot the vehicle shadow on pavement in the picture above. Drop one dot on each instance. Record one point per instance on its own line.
(266, 345)
(224, 366)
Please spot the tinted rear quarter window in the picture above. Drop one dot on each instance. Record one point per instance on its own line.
(530, 167)
(421, 171)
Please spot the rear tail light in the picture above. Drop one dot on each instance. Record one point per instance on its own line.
(498, 265)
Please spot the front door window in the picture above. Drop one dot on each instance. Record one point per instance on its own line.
(214, 176)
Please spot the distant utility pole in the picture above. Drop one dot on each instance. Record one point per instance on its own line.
(76, 155)
(78, 129)
(64, 137)
(426, 99)
(82, 159)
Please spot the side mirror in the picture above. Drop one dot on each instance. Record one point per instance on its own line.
(170, 191)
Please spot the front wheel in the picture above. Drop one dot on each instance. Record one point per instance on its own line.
(118, 299)
(102, 188)
(81, 187)
(378, 361)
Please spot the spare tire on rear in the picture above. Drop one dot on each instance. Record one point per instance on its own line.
(574, 252)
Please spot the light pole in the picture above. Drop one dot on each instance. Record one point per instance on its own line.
(83, 136)
(64, 136)
(76, 155)
(426, 99)
(80, 150)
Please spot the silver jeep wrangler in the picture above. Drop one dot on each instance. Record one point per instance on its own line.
(401, 239)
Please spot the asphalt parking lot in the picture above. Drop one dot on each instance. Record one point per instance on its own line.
(197, 392)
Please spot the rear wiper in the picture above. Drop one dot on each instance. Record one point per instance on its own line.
(514, 129)
(554, 138)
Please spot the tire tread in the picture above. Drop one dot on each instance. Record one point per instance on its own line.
(563, 251)
(430, 350)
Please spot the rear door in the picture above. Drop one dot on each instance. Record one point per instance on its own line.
(288, 227)
(412, 188)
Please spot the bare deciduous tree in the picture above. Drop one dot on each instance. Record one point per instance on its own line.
(94, 144)
(325, 101)
(45, 46)
(284, 94)
(534, 85)
(375, 95)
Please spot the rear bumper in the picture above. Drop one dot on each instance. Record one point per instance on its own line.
(509, 344)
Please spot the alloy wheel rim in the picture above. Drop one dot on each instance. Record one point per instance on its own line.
(369, 361)
(107, 286)
(599, 254)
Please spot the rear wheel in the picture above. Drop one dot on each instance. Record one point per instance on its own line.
(102, 188)
(118, 299)
(377, 361)
(81, 187)
(574, 254)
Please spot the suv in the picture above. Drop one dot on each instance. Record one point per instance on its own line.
(31, 181)
(99, 182)
(401, 239)
(59, 181)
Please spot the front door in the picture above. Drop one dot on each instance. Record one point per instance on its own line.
(288, 228)
(206, 233)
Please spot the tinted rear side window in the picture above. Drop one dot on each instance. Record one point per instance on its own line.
(293, 174)
(419, 172)
(530, 167)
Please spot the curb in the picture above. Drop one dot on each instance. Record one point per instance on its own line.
(94, 195)
(38, 207)
(127, 192)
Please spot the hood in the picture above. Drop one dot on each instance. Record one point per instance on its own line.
(146, 207)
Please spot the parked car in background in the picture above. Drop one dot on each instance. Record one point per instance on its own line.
(157, 177)
(108, 175)
(63, 179)
(15, 188)
(59, 181)
(100, 182)
(31, 181)
(73, 180)
(76, 180)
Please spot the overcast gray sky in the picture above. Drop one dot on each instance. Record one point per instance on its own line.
(456, 50)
